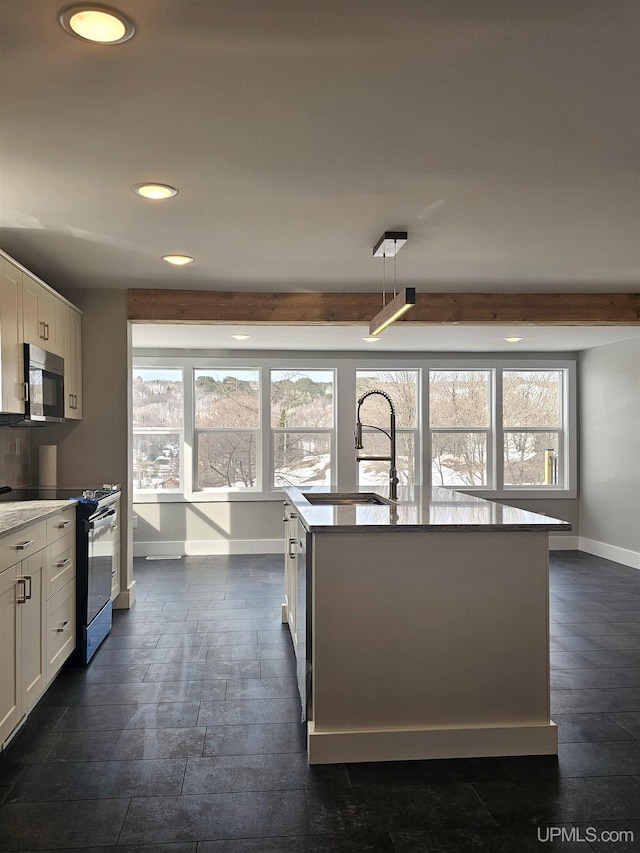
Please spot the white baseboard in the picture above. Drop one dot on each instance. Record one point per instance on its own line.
(206, 547)
(214, 547)
(610, 552)
(563, 543)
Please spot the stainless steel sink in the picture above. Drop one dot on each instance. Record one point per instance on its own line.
(345, 498)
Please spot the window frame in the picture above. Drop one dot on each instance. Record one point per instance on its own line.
(330, 431)
(345, 366)
(197, 431)
(161, 431)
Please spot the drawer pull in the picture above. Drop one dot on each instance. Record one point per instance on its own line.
(63, 563)
(22, 546)
(62, 627)
(64, 523)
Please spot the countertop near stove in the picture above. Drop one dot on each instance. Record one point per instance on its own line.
(17, 514)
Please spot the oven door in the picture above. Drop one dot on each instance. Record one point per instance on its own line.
(100, 560)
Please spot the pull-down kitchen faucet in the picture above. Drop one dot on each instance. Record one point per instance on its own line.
(391, 435)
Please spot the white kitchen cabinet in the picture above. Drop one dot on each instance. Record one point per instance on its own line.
(11, 339)
(10, 700)
(290, 569)
(22, 653)
(115, 569)
(37, 612)
(42, 317)
(32, 313)
(32, 653)
(73, 364)
(59, 617)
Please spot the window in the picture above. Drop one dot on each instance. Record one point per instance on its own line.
(460, 418)
(532, 406)
(402, 388)
(227, 421)
(157, 429)
(302, 425)
(209, 428)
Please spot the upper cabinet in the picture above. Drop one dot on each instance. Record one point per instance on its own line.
(11, 338)
(73, 365)
(32, 313)
(42, 316)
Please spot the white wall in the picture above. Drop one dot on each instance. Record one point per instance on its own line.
(238, 527)
(94, 450)
(609, 419)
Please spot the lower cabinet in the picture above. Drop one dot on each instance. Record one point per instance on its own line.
(22, 652)
(60, 628)
(37, 613)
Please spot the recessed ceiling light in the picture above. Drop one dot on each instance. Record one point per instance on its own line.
(370, 339)
(178, 260)
(155, 191)
(241, 337)
(512, 340)
(98, 24)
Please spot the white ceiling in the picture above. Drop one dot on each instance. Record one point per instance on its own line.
(400, 337)
(503, 136)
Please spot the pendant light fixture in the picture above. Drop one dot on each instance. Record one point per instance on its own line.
(388, 246)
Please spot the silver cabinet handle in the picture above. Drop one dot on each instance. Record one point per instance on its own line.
(22, 546)
(42, 326)
(62, 627)
(63, 563)
(46, 331)
(22, 600)
(27, 595)
(293, 542)
(64, 523)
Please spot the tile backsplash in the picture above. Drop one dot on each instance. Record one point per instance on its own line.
(15, 457)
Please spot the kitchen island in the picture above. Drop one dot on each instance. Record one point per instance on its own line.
(421, 627)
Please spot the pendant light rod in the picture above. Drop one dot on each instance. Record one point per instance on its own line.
(388, 246)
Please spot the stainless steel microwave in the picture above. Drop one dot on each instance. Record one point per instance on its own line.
(44, 381)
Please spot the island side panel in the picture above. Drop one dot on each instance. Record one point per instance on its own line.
(430, 630)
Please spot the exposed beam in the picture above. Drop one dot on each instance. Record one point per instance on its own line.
(212, 306)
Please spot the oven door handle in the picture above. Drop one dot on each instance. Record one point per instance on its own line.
(101, 520)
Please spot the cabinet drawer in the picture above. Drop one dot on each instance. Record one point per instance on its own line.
(61, 633)
(61, 565)
(22, 543)
(61, 524)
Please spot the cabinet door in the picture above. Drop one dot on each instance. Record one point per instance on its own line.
(42, 317)
(60, 627)
(9, 672)
(11, 339)
(115, 567)
(73, 365)
(290, 568)
(30, 620)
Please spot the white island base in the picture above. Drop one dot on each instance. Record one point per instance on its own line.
(428, 644)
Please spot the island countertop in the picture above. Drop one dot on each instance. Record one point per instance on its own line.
(418, 508)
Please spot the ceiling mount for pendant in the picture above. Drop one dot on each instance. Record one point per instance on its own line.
(389, 244)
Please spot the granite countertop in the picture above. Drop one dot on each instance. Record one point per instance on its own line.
(17, 514)
(417, 508)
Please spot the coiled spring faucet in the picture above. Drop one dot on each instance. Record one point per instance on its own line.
(391, 435)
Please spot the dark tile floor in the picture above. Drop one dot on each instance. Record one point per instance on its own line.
(183, 735)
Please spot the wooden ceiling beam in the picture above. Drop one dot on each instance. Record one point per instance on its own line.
(231, 307)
